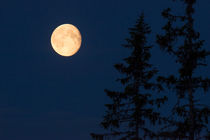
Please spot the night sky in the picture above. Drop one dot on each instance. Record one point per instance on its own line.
(44, 96)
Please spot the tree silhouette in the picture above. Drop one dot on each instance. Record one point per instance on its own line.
(130, 110)
(190, 117)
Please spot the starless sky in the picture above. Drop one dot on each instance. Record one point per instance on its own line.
(44, 96)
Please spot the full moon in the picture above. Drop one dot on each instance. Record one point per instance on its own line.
(66, 40)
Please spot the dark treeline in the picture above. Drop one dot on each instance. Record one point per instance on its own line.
(133, 112)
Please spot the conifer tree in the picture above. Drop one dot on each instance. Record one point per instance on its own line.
(130, 110)
(190, 116)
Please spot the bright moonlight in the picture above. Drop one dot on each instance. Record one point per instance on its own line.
(66, 40)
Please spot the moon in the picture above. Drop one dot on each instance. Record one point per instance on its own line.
(66, 40)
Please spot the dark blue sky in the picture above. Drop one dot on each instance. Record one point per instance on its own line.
(48, 97)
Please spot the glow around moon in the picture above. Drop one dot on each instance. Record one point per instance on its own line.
(66, 40)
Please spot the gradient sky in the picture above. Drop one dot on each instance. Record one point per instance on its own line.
(44, 96)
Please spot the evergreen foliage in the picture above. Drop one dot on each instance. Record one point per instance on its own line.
(189, 118)
(129, 111)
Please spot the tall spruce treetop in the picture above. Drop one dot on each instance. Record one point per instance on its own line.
(182, 41)
(129, 110)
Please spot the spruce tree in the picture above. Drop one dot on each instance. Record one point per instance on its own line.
(189, 116)
(131, 109)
